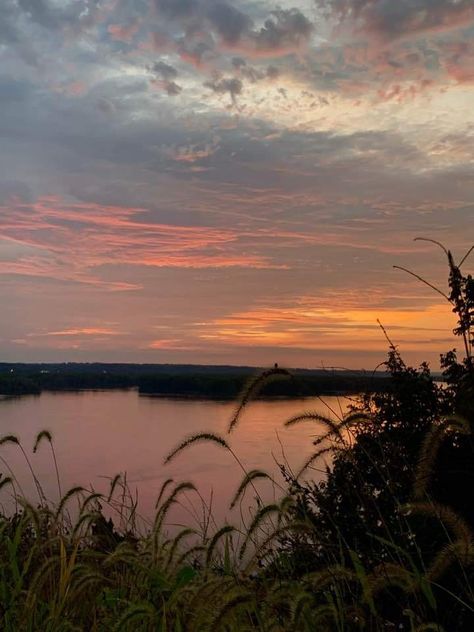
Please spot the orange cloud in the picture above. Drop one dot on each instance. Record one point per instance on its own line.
(98, 336)
(308, 325)
(84, 331)
(170, 343)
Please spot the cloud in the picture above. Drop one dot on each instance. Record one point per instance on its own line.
(285, 30)
(174, 9)
(252, 74)
(49, 15)
(13, 90)
(124, 32)
(232, 86)
(82, 331)
(193, 153)
(230, 23)
(346, 143)
(457, 58)
(8, 30)
(210, 26)
(74, 241)
(167, 74)
(321, 323)
(172, 88)
(40, 12)
(395, 50)
(175, 344)
(387, 18)
(164, 70)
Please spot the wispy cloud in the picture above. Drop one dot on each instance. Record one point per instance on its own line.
(307, 325)
(173, 344)
(74, 240)
(83, 331)
(242, 174)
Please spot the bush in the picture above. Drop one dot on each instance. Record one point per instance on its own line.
(384, 542)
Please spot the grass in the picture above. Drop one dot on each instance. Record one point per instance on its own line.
(384, 543)
(67, 566)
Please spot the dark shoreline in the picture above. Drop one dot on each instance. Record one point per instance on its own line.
(177, 396)
(212, 383)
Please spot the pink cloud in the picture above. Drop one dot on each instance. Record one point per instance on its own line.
(124, 32)
(398, 50)
(458, 60)
(74, 239)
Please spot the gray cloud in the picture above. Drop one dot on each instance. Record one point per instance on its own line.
(402, 17)
(85, 124)
(231, 85)
(12, 36)
(168, 74)
(8, 30)
(12, 90)
(230, 23)
(282, 32)
(52, 16)
(272, 72)
(196, 46)
(252, 74)
(164, 70)
(14, 189)
(42, 12)
(172, 88)
(284, 29)
(178, 9)
(238, 62)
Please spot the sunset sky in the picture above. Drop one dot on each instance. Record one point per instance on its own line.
(232, 182)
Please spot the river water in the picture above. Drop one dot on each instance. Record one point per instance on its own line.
(98, 434)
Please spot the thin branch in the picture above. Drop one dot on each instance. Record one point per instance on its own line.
(387, 337)
(466, 256)
(380, 363)
(417, 276)
(432, 241)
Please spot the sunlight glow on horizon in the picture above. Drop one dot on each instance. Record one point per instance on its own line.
(177, 188)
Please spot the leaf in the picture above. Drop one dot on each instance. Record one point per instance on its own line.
(185, 576)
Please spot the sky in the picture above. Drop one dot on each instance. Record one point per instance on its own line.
(232, 182)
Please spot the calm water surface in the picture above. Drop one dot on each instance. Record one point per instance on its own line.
(99, 434)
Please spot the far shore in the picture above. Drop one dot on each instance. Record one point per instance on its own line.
(214, 383)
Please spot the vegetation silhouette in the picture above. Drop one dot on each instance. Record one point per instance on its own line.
(384, 542)
(216, 383)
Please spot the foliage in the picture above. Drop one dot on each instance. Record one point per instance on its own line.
(412, 442)
(202, 382)
(384, 542)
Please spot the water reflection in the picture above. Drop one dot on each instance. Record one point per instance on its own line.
(99, 434)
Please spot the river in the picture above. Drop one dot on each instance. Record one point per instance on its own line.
(98, 434)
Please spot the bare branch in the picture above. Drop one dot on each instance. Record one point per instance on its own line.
(466, 256)
(432, 241)
(417, 276)
(392, 345)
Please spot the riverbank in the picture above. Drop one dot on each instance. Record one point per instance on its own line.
(182, 381)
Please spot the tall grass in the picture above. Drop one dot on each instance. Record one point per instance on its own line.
(88, 562)
(68, 566)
